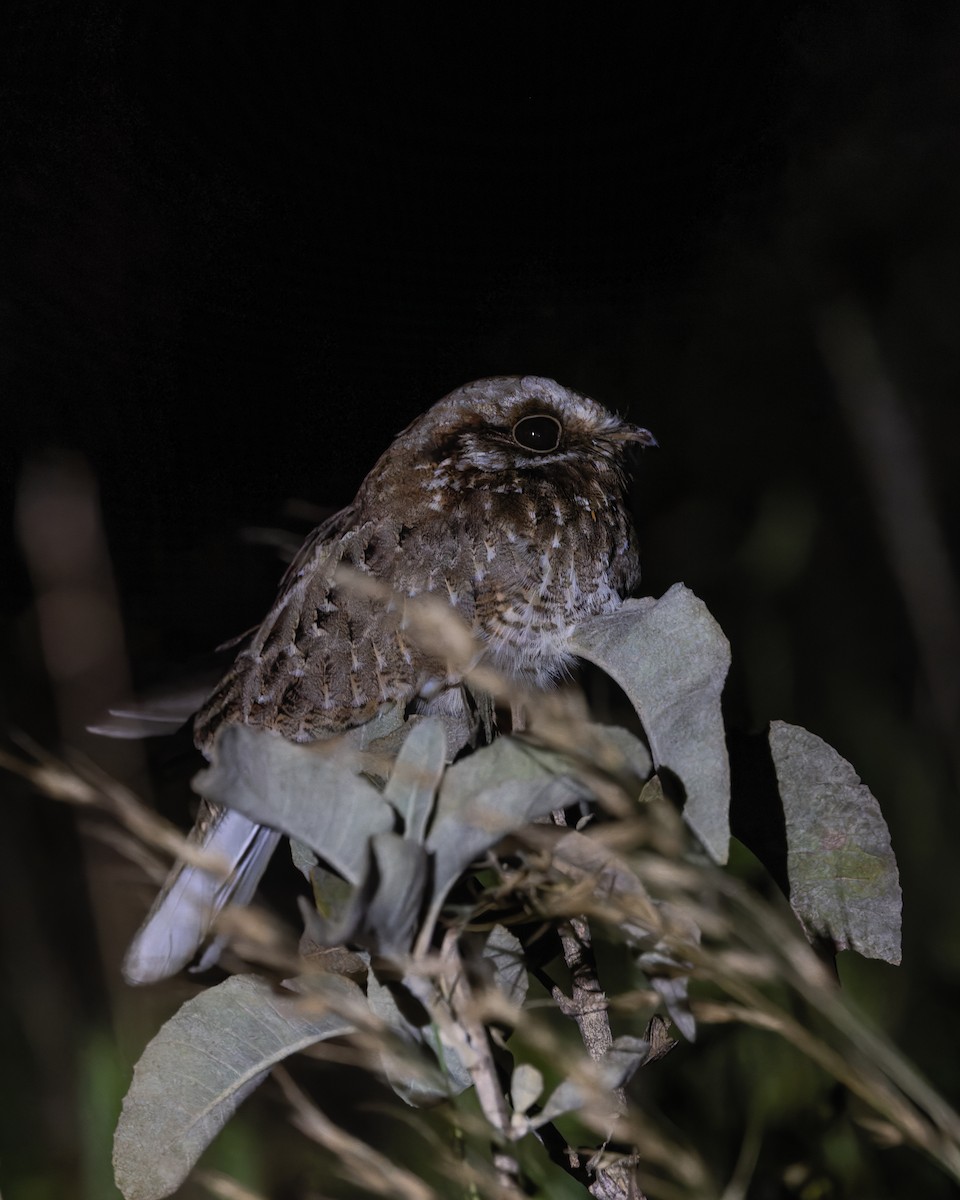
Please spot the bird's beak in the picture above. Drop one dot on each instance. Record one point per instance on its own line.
(633, 433)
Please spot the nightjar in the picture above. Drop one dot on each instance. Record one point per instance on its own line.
(505, 499)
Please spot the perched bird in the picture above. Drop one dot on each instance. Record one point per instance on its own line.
(505, 499)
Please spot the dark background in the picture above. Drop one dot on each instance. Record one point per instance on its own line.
(244, 247)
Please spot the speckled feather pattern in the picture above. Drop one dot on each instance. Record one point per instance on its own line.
(523, 546)
(506, 499)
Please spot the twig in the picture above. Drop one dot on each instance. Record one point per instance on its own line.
(587, 1003)
(588, 1006)
(463, 1025)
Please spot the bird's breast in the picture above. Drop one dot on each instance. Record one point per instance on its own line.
(527, 573)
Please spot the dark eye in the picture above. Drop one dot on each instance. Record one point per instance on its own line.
(540, 433)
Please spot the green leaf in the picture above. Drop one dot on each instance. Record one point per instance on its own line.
(382, 913)
(619, 1063)
(505, 953)
(655, 929)
(623, 1060)
(311, 793)
(635, 755)
(418, 1084)
(398, 1003)
(207, 1059)
(841, 870)
(526, 1087)
(488, 795)
(386, 911)
(671, 659)
(412, 786)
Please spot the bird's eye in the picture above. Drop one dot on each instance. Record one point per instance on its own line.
(539, 433)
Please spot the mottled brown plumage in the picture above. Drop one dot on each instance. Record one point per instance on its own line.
(505, 499)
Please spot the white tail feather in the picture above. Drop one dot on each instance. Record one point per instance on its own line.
(183, 914)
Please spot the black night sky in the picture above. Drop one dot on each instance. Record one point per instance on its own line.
(249, 251)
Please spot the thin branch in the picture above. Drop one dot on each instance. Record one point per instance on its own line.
(589, 1008)
(463, 1025)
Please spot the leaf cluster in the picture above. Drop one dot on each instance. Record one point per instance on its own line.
(474, 897)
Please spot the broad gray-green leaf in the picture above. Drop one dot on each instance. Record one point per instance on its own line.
(841, 869)
(303, 857)
(654, 928)
(504, 952)
(486, 796)
(623, 1059)
(417, 1083)
(566, 1097)
(332, 895)
(311, 793)
(204, 1061)
(416, 775)
(674, 991)
(506, 760)
(384, 731)
(526, 1087)
(615, 1070)
(383, 911)
(671, 659)
(390, 900)
(636, 756)
(625, 899)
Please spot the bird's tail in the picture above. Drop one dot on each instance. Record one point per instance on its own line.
(180, 923)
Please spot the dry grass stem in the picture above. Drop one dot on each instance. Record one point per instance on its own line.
(358, 1160)
(85, 786)
(225, 1188)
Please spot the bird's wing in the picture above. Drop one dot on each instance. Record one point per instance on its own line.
(325, 659)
